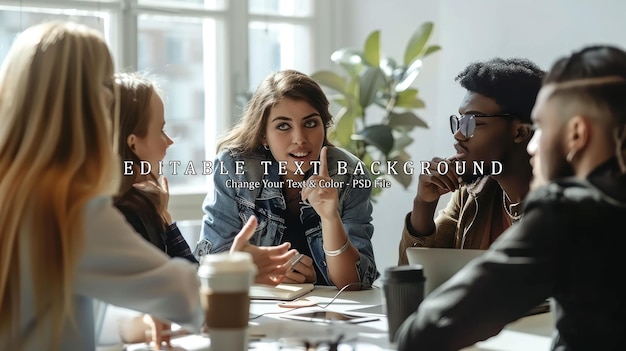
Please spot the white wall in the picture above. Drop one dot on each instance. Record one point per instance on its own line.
(541, 30)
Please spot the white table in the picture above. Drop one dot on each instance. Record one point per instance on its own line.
(363, 336)
(528, 333)
(271, 332)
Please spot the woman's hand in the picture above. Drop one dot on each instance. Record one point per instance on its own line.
(321, 193)
(161, 331)
(271, 261)
(302, 272)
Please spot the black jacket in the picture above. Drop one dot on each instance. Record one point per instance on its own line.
(169, 240)
(569, 246)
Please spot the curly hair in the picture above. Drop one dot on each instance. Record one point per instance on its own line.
(513, 83)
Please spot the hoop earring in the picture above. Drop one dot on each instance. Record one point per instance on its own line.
(570, 155)
(266, 147)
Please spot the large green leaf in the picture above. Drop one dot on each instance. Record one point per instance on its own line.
(402, 177)
(374, 79)
(409, 75)
(402, 141)
(367, 160)
(330, 79)
(409, 99)
(405, 96)
(351, 60)
(406, 119)
(352, 96)
(371, 52)
(378, 135)
(344, 127)
(415, 103)
(347, 97)
(431, 49)
(417, 42)
(352, 89)
(388, 65)
(371, 82)
(341, 100)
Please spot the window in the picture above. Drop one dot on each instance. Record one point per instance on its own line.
(207, 56)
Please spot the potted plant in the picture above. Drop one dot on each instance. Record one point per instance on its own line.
(374, 81)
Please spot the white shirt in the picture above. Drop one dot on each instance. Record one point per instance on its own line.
(118, 267)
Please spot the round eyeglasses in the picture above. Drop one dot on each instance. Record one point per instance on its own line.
(467, 123)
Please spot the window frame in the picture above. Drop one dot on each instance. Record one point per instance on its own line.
(121, 32)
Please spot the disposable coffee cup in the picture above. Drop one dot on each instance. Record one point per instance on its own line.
(225, 281)
(403, 288)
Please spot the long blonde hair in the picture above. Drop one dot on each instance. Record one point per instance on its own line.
(56, 154)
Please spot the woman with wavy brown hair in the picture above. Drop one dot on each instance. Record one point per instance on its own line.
(318, 211)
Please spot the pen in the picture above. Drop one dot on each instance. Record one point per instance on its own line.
(294, 261)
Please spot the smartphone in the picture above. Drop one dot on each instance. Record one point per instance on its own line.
(330, 316)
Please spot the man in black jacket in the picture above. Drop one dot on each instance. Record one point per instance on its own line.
(569, 245)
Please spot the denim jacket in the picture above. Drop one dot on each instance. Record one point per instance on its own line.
(232, 202)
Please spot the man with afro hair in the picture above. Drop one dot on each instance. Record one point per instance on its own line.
(492, 128)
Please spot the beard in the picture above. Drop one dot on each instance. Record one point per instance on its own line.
(563, 170)
(472, 174)
(487, 169)
(469, 178)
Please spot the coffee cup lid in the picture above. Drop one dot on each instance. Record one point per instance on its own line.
(226, 262)
(404, 273)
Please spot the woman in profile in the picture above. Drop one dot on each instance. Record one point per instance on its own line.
(270, 159)
(143, 198)
(63, 243)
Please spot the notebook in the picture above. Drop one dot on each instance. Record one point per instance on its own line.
(286, 292)
(439, 263)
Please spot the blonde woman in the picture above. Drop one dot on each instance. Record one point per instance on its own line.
(62, 242)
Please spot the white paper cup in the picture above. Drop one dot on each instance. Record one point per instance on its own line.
(225, 281)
